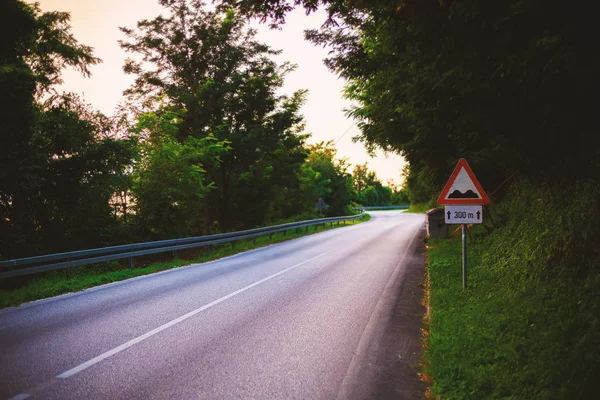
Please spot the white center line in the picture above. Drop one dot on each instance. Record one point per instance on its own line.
(161, 328)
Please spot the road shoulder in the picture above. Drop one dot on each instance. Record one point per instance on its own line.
(399, 351)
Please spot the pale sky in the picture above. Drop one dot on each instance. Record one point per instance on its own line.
(95, 23)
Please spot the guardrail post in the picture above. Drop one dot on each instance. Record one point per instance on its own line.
(306, 230)
(131, 264)
(284, 232)
(68, 272)
(254, 240)
(316, 225)
(233, 244)
(324, 225)
(175, 254)
(331, 224)
(270, 236)
(208, 250)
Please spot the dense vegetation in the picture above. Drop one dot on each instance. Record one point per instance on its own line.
(528, 326)
(204, 141)
(503, 84)
(506, 85)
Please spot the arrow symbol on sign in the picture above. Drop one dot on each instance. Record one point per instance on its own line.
(478, 214)
(449, 214)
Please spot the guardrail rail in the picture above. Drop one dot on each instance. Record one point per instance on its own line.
(66, 260)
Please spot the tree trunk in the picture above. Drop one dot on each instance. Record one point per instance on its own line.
(224, 206)
(206, 215)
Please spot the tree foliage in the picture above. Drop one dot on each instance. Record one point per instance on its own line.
(504, 85)
(210, 65)
(168, 178)
(369, 191)
(59, 162)
(324, 176)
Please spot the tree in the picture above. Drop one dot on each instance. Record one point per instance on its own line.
(80, 165)
(369, 190)
(399, 194)
(208, 64)
(325, 177)
(168, 176)
(363, 178)
(58, 163)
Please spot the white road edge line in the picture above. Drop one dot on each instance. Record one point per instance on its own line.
(21, 396)
(161, 328)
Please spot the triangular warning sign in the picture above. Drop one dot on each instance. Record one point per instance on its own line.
(463, 187)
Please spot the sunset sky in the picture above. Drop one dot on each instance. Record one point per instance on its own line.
(95, 23)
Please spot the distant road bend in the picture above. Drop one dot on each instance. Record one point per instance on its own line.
(294, 320)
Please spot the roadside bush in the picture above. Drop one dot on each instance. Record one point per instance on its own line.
(529, 324)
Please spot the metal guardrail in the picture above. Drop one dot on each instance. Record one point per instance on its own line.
(50, 262)
(370, 208)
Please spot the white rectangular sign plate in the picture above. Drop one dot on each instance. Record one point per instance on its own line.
(463, 214)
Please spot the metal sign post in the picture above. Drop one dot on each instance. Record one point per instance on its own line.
(463, 197)
(464, 255)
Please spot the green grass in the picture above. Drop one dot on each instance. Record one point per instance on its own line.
(55, 283)
(420, 208)
(528, 326)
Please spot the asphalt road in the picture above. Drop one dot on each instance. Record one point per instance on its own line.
(295, 320)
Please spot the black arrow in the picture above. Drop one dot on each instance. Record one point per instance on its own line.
(478, 214)
(448, 214)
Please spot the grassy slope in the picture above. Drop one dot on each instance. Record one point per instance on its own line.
(55, 283)
(422, 208)
(528, 327)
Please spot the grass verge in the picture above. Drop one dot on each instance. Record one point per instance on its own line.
(420, 208)
(55, 283)
(517, 332)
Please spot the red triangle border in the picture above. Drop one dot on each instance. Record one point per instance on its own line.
(462, 163)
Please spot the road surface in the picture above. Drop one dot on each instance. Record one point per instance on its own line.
(294, 320)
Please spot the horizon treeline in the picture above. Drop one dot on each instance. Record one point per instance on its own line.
(202, 143)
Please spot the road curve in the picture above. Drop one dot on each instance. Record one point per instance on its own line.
(293, 320)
